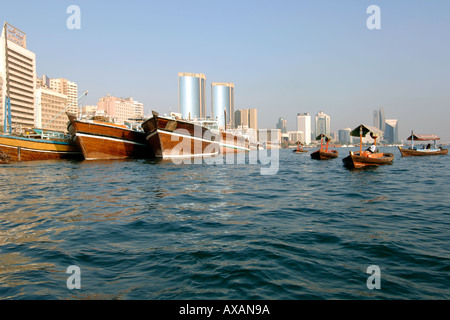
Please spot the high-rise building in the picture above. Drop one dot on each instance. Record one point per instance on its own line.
(304, 125)
(18, 74)
(246, 117)
(50, 106)
(191, 95)
(391, 130)
(282, 125)
(68, 88)
(322, 123)
(222, 103)
(120, 109)
(379, 119)
(344, 136)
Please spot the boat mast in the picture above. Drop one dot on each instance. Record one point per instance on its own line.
(7, 115)
(412, 139)
(360, 139)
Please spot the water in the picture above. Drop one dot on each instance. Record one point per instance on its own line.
(148, 229)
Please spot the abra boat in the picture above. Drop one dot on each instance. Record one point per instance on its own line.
(299, 149)
(172, 137)
(425, 150)
(99, 139)
(367, 158)
(323, 153)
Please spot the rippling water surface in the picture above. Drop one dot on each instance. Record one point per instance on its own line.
(148, 229)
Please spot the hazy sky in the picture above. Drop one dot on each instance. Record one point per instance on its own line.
(284, 57)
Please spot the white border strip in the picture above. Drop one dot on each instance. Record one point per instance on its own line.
(108, 138)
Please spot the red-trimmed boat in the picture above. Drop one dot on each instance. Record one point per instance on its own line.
(323, 153)
(363, 159)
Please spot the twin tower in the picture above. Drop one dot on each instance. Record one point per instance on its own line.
(192, 99)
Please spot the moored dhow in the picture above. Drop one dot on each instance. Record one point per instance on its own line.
(172, 137)
(99, 139)
(38, 145)
(427, 150)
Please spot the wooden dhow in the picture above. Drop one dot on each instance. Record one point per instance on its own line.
(427, 150)
(367, 158)
(99, 139)
(299, 148)
(172, 137)
(323, 153)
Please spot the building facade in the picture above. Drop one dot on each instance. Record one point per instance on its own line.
(68, 88)
(379, 120)
(121, 110)
(18, 74)
(50, 106)
(344, 136)
(304, 125)
(391, 131)
(322, 124)
(222, 103)
(282, 125)
(246, 118)
(191, 95)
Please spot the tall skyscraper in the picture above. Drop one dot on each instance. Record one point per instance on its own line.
(246, 118)
(344, 136)
(68, 88)
(391, 130)
(18, 74)
(304, 125)
(322, 123)
(222, 102)
(191, 95)
(282, 125)
(379, 119)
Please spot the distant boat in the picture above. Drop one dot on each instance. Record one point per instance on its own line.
(425, 150)
(299, 149)
(367, 158)
(323, 153)
(99, 139)
(173, 137)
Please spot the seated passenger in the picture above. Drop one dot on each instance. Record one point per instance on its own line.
(372, 148)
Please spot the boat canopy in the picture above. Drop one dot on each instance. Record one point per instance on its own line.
(424, 137)
(323, 135)
(374, 132)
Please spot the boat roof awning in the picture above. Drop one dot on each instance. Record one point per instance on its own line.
(424, 137)
(323, 135)
(365, 129)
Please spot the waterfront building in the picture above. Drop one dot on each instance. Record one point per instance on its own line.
(89, 110)
(282, 125)
(50, 105)
(222, 103)
(120, 109)
(322, 123)
(18, 75)
(304, 125)
(191, 95)
(391, 131)
(344, 136)
(246, 117)
(68, 88)
(295, 136)
(379, 119)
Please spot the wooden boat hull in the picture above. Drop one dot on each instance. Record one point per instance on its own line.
(171, 138)
(103, 141)
(300, 151)
(422, 152)
(233, 143)
(28, 149)
(322, 155)
(354, 160)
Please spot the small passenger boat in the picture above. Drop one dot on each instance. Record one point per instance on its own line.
(299, 149)
(323, 153)
(425, 150)
(367, 158)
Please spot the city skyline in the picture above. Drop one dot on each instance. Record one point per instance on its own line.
(284, 58)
